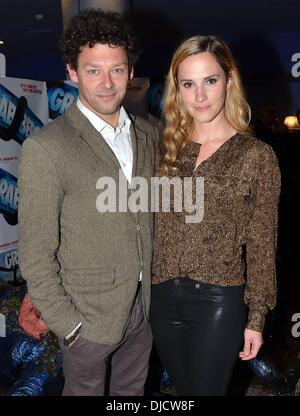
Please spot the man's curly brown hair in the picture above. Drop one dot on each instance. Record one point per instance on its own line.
(93, 26)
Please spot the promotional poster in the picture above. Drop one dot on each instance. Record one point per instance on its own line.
(61, 95)
(23, 110)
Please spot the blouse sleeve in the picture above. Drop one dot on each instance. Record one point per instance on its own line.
(260, 290)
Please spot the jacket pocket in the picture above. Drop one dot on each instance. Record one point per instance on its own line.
(89, 277)
(90, 291)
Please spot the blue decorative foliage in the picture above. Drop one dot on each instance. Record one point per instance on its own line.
(31, 383)
(5, 293)
(264, 369)
(16, 352)
(26, 350)
(28, 367)
(165, 379)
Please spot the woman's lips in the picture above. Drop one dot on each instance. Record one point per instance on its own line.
(202, 109)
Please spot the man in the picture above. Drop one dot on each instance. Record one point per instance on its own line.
(88, 271)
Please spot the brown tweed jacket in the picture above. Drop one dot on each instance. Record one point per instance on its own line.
(82, 265)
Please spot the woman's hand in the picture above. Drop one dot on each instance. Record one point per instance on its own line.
(253, 340)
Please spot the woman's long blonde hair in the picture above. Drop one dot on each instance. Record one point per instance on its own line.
(178, 123)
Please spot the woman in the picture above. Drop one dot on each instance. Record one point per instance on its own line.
(213, 280)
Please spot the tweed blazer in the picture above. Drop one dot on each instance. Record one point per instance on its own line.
(82, 265)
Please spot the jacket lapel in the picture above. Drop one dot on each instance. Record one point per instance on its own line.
(91, 136)
(138, 140)
(99, 146)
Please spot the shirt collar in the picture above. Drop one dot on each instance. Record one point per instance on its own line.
(123, 118)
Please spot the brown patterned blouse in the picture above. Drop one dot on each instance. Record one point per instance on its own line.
(235, 242)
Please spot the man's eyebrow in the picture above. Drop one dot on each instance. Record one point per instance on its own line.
(99, 66)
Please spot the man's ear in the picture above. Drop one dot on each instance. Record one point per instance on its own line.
(72, 73)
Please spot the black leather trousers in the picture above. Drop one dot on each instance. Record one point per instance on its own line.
(198, 332)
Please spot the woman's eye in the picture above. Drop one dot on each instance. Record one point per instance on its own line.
(211, 81)
(187, 84)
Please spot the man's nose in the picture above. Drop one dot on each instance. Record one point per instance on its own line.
(107, 81)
